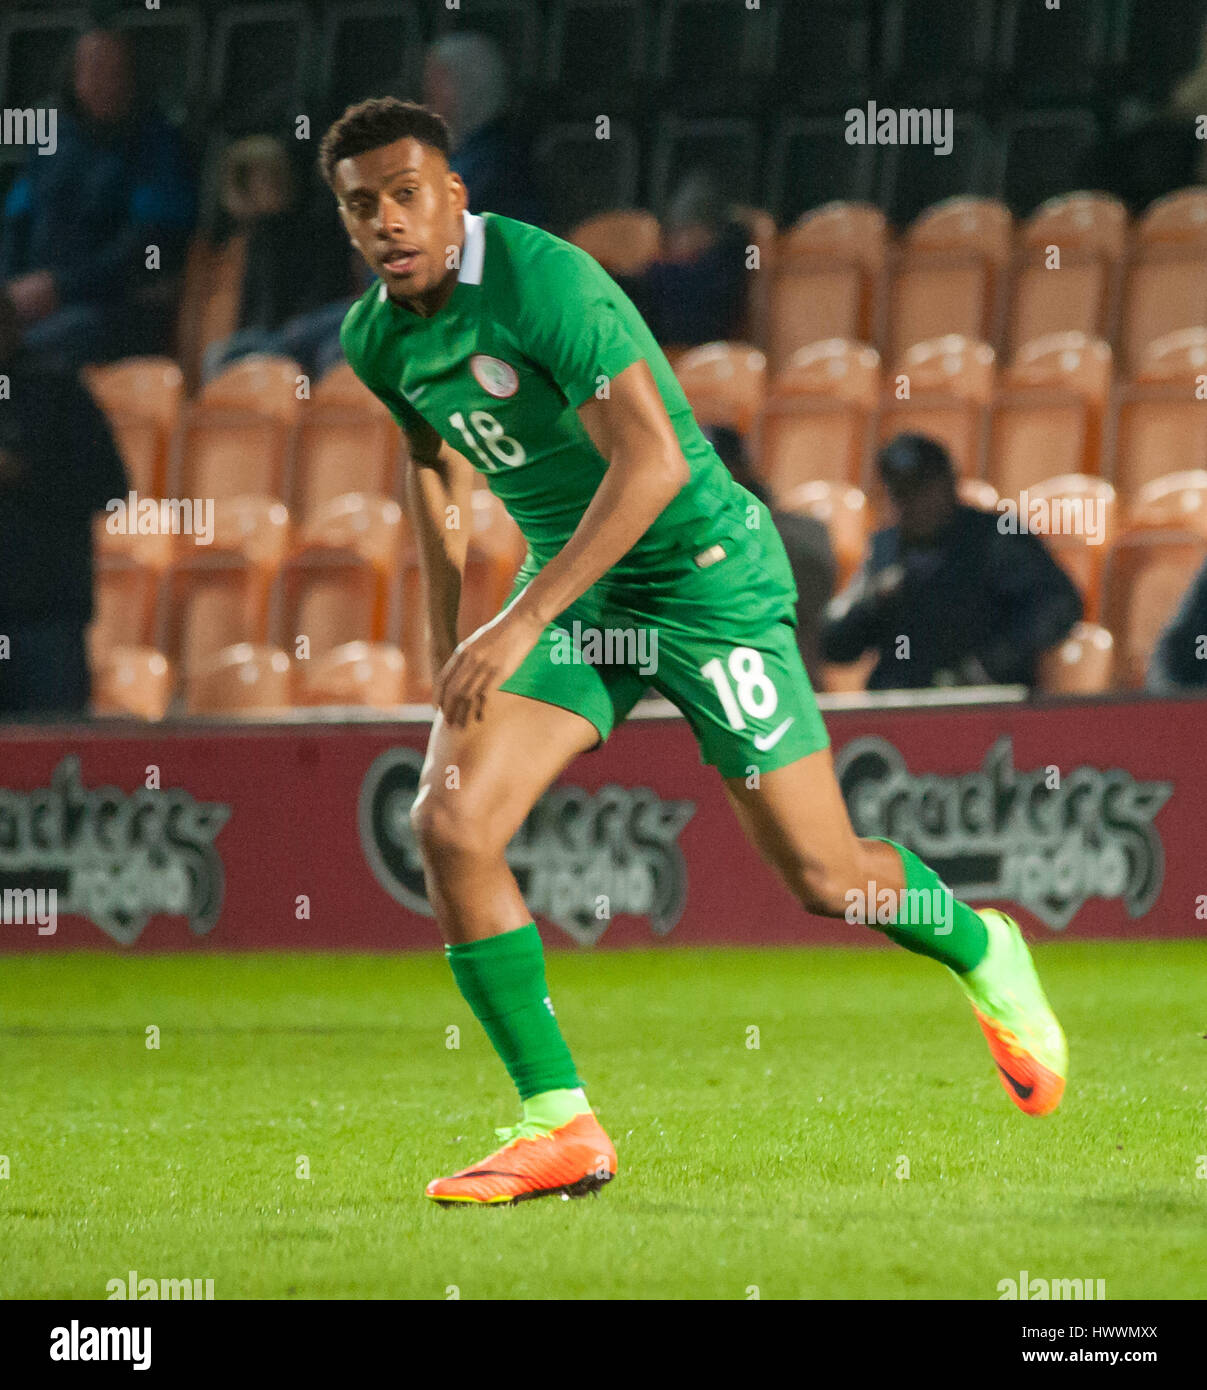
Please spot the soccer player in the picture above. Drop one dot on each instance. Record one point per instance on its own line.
(494, 342)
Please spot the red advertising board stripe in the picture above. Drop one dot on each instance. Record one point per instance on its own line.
(1086, 819)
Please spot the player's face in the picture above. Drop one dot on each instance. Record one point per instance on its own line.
(402, 206)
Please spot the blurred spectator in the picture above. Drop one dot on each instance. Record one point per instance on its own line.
(78, 223)
(1180, 660)
(1188, 103)
(945, 597)
(1156, 147)
(283, 309)
(58, 465)
(465, 81)
(696, 291)
(805, 539)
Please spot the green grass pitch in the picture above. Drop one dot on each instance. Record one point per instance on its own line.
(774, 1170)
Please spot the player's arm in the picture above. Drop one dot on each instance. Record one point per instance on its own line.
(646, 468)
(438, 486)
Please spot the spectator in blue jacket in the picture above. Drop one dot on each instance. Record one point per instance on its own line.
(465, 80)
(946, 596)
(1180, 659)
(93, 235)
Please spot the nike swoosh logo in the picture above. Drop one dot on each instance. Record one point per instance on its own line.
(481, 1173)
(1021, 1091)
(765, 742)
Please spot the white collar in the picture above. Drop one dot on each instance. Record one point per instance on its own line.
(473, 253)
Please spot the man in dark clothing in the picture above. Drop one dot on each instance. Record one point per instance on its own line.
(79, 223)
(695, 292)
(805, 539)
(280, 311)
(465, 79)
(1180, 660)
(945, 596)
(58, 466)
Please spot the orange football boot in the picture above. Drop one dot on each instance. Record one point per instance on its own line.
(571, 1160)
(1025, 1040)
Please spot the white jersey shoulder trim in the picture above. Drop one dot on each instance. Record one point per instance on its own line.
(473, 253)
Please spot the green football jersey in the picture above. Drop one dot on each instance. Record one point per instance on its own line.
(533, 328)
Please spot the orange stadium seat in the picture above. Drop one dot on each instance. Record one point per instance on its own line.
(132, 681)
(500, 542)
(329, 598)
(815, 423)
(124, 602)
(1047, 416)
(371, 674)
(976, 492)
(1167, 279)
(1148, 572)
(724, 383)
(1077, 293)
(236, 436)
(344, 450)
(141, 400)
(1178, 499)
(1083, 664)
(950, 382)
(761, 229)
(208, 603)
(1082, 505)
(244, 679)
(624, 242)
(365, 525)
(252, 526)
(260, 383)
(347, 442)
(1160, 422)
(495, 551)
(154, 549)
(826, 279)
(210, 297)
(844, 512)
(228, 453)
(949, 273)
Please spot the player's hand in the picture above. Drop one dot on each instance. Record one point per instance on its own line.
(482, 663)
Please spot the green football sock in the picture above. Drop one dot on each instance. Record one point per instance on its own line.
(931, 921)
(503, 981)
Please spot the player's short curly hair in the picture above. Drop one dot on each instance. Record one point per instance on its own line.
(379, 121)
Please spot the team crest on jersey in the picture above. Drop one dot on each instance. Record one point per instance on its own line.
(494, 375)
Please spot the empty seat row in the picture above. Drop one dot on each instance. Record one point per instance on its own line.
(310, 604)
(250, 58)
(1056, 409)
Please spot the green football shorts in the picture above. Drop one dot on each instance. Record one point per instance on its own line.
(715, 634)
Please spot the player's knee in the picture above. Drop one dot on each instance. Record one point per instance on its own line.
(452, 827)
